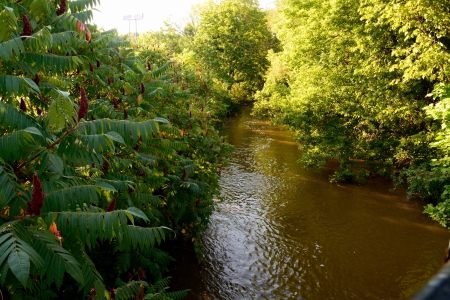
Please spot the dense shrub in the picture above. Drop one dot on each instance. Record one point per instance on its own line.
(106, 150)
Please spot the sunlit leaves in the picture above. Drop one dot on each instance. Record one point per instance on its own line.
(352, 80)
(232, 42)
(8, 23)
(107, 173)
(128, 130)
(61, 112)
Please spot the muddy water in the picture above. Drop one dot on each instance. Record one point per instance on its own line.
(287, 233)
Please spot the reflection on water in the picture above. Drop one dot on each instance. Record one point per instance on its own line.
(290, 234)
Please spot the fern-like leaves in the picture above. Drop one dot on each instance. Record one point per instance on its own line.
(14, 85)
(10, 48)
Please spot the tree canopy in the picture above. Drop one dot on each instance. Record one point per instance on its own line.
(232, 42)
(353, 80)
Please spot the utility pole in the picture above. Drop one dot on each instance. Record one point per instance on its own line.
(134, 17)
(135, 32)
(129, 29)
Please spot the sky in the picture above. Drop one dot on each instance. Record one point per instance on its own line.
(110, 13)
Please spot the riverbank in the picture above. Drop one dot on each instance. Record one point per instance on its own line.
(287, 233)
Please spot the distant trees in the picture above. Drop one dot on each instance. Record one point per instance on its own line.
(229, 39)
(232, 42)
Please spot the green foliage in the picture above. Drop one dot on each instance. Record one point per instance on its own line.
(232, 41)
(439, 212)
(436, 182)
(353, 80)
(343, 84)
(168, 38)
(156, 291)
(110, 172)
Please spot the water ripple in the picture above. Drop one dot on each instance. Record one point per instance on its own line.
(288, 233)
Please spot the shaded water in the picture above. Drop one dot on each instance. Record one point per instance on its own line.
(288, 233)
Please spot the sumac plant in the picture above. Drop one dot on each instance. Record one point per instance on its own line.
(101, 158)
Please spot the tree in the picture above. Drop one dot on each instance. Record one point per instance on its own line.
(168, 38)
(354, 80)
(103, 153)
(232, 42)
(347, 97)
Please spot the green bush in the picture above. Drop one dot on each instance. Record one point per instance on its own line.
(105, 153)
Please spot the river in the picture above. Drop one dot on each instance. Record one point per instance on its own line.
(288, 233)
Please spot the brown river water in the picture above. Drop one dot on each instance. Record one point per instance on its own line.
(288, 233)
